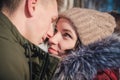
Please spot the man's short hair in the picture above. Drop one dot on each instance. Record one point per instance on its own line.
(10, 4)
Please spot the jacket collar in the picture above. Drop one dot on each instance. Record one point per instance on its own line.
(16, 36)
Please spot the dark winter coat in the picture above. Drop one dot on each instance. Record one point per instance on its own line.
(20, 59)
(84, 63)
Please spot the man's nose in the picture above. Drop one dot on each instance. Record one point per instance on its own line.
(50, 32)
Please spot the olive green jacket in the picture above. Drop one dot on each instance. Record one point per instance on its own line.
(20, 59)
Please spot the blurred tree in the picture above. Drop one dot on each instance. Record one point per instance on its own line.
(78, 3)
(65, 4)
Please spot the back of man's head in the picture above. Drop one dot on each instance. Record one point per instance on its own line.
(11, 5)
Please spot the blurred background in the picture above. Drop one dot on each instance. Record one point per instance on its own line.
(101, 5)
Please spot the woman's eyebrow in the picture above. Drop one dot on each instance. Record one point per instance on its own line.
(69, 31)
(66, 30)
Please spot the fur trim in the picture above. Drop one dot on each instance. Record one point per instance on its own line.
(84, 63)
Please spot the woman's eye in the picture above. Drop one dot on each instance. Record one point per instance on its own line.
(66, 35)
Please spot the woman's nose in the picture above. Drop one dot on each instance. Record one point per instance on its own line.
(55, 39)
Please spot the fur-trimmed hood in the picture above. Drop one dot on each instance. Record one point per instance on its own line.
(84, 63)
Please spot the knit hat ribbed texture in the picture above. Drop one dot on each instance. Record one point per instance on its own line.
(91, 25)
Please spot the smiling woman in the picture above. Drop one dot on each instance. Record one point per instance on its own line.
(64, 39)
(85, 40)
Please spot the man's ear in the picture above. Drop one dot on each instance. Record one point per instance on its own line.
(31, 6)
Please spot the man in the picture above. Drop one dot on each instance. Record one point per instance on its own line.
(23, 25)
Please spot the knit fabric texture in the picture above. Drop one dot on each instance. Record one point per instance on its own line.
(91, 25)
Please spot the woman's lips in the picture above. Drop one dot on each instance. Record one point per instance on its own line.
(53, 51)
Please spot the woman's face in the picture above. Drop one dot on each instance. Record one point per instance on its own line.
(64, 38)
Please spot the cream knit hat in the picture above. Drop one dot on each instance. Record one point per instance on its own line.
(91, 25)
